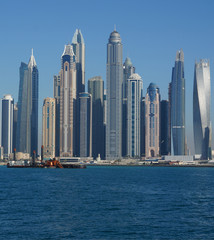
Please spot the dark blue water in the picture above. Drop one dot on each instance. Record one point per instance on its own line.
(107, 203)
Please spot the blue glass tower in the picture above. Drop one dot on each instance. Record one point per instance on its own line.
(178, 105)
(27, 123)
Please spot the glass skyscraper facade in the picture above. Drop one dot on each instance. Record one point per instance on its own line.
(85, 105)
(27, 123)
(96, 89)
(201, 110)
(7, 105)
(114, 79)
(178, 105)
(164, 127)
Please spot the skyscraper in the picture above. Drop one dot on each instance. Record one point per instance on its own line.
(79, 52)
(152, 118)
(128, 70)
(134, 98)
(85, 124)
(15, 119)
(27, 123)
(201, 109)
(96, 89)
(78, 45)
(7, 125)
(33, 76)
(114, 77)
(68, 103)
(178, 105)
(57, 125)
(48, 127)
(164, 127)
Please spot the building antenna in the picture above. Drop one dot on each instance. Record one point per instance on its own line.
(115, 27)
(32, 52)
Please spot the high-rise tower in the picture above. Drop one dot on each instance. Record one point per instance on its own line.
(68, 103)
(85, 105)
(33, 76)
(128, 70)
(79, 51)
(27, 123)
(7, 105)
(178, 105)
(78, 45)
(96, 89)
(164, 127)
(48, 127)
(201, 110)
(152, 118)
(57, 124)
(114, 77)
(134, 98)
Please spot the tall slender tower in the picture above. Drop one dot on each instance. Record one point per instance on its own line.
(134, 98)
(152, 118)
(33, 76)
(7, 105)
(85, 124)
(67, 103)
(27, 123)
(114, 77)
(57, 124)
(201, 109)
(178, 105)
(79, 51)
(164, 127)
(48, 127)
(95, 88)
(128, 70)
(15, 119)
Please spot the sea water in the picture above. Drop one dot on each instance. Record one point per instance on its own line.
(107, 203)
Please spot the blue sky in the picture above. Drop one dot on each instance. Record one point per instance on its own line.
(151, 31)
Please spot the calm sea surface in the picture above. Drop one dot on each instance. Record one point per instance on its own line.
(107, 203)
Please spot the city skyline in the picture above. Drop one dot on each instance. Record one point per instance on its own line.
(153, 43)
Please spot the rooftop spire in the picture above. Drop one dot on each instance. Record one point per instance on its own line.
(78, 37)
(32, 61)
(115, 27)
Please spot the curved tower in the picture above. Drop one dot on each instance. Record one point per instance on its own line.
(201, 109)
(114, 78)
(178, 105)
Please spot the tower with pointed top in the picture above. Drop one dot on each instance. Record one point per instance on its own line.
(27, 123)
(68, 95)
(114, 78)
(78, 45)
(178, 105)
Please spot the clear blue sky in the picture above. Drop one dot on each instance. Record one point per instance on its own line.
(151, 31)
